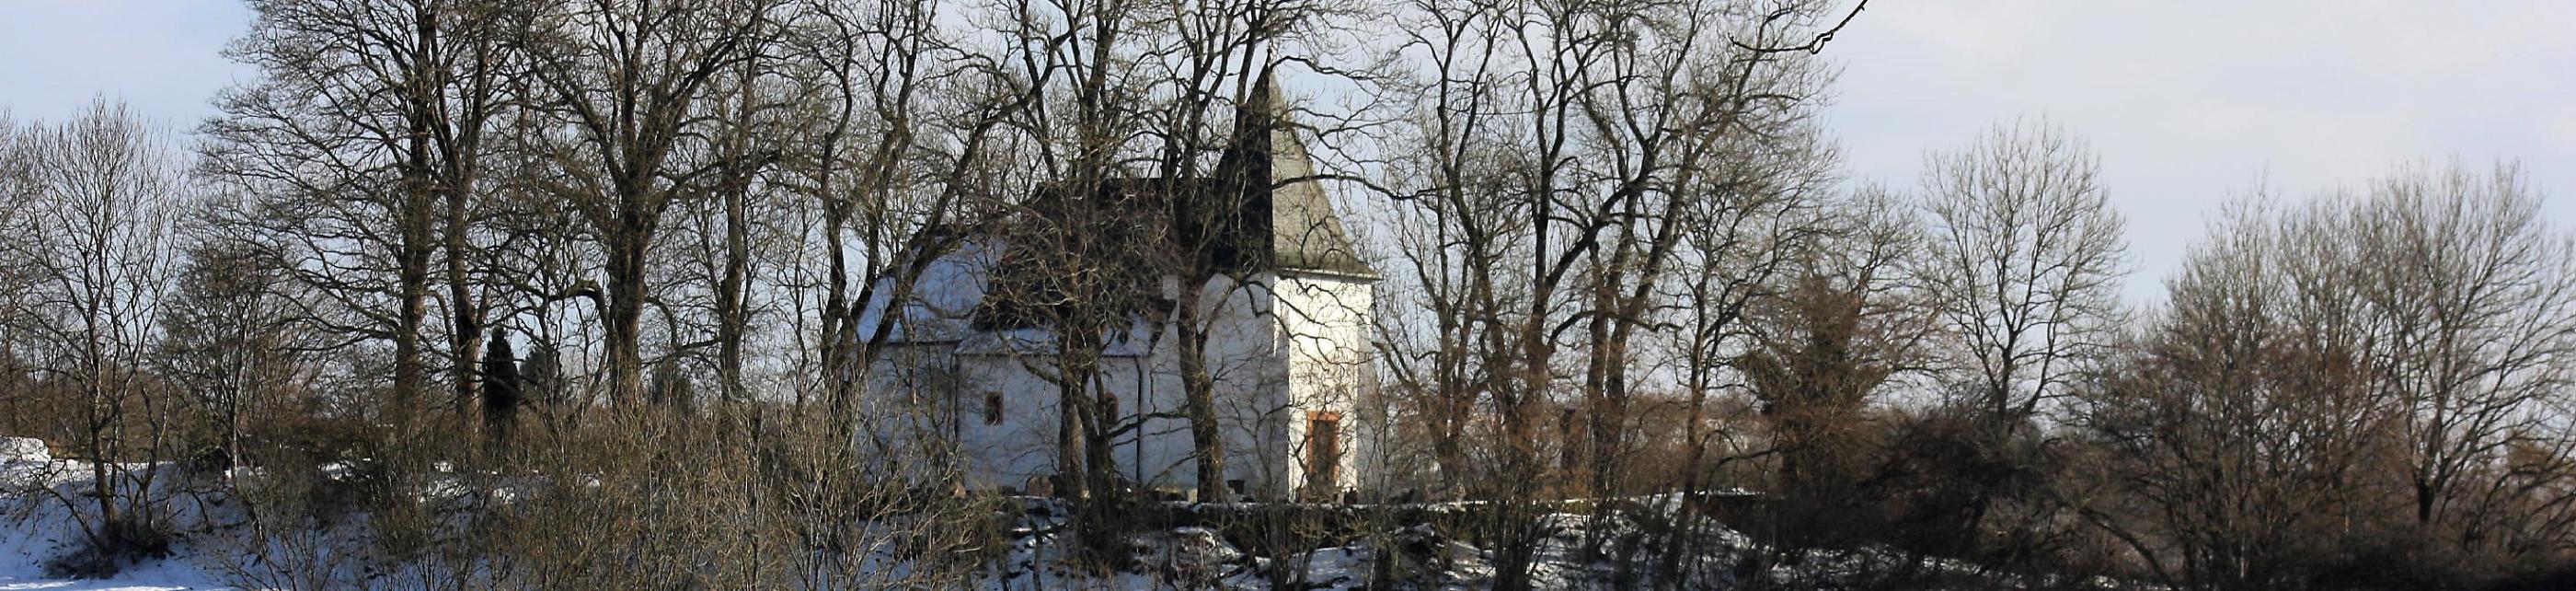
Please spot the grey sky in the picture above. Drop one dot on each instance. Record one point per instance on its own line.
(2190, 102)
(2187, 102)
(164, 57)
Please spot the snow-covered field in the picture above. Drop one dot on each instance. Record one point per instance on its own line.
(36, 492)
(39, 527)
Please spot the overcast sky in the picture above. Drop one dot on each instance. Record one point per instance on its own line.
(2187, 102)
(2191, 102)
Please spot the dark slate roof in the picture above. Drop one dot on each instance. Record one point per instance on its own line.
(1305, 233)
(1260, 209)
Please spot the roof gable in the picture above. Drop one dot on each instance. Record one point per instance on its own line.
(1306, 234)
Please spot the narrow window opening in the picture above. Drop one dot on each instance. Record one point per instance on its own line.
(1323, 450)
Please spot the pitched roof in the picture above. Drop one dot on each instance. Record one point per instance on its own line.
(1306, 234)
(1260, 209)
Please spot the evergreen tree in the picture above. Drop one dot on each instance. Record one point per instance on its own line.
(501, 388)
(670, 389)
(541, 375)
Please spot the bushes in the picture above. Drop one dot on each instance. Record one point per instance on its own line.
(1965, 485)
(753, 498)
(117, 542)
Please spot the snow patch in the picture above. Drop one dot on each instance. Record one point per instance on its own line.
(24, 449)
(37, 525)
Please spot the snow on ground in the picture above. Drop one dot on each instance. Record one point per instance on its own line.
(159, 575)
(38, 527)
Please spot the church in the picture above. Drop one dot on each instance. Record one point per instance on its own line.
(1283, 300)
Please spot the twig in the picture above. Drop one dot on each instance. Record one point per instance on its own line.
(1814, 46)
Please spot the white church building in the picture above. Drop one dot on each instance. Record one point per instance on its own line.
(1288, 324)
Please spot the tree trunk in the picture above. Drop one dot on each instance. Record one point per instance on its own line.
(624, 314)
(412, 303)
(1070, 474)
(465, 338)
(1199, 389)
(731, 318)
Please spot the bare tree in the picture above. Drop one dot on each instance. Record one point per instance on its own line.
(2025, 259)
(2373, 372)
(1579, 165)
(366, 138)
(104, 190)
(1216, 51)
(1824, 345)
(230, 339)
(17, 190)
(728, 217)
(904, 143)
(2240, 430)
(2469, 298)
(2022, 262)
(631, 84)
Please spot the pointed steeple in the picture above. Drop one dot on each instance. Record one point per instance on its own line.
(1274, 171)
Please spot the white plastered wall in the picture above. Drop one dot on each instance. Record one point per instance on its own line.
(1325, 320)
(1245, 357)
